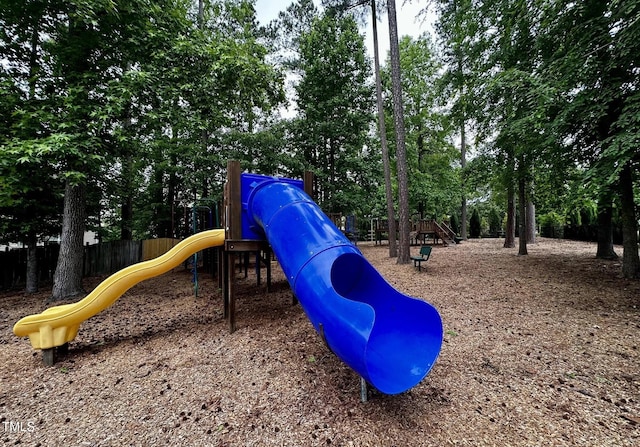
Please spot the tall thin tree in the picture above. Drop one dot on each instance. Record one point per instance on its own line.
(393, 250)
(401, 153)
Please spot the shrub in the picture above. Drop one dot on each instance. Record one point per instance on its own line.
(552, 225)
(495, 222)
(475, 225)
(453, 222)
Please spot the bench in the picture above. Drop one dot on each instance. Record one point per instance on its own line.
(425, 252)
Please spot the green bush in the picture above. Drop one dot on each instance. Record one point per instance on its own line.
(455, 225)
(495, 222)
(475, 225)
(552, 225)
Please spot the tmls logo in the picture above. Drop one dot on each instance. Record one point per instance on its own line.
(18, 427)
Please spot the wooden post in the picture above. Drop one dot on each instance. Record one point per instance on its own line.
(224, 284)
(234, 205)
(221, 271)
(308, 183)
(268, 257)
(233, 226)
(231, 296)
(235, 246)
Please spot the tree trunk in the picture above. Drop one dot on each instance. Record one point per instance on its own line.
(171, 188)
(126, 234)
(201, 14)
(401, 153)
(522, 212)
(205, 149)
(463, 164)
(393, 248)
(331, 184)
(531, 222)
(630, 258)
(420, 145)
(605, 226)
(161, 213)
(605, 229)
(127, 181)
(510, 230)
(67, 279)
(32, 258)
(32, 263)
(126, 207)
(530, 214)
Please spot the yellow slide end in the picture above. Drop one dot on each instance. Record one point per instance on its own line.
(59, 324)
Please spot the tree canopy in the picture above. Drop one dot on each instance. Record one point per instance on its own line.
(119, 116)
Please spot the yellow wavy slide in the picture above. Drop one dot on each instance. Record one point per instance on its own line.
(59, 325)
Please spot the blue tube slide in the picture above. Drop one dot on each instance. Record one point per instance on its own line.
(390, 339)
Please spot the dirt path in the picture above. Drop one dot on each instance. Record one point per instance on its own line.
(538, 351)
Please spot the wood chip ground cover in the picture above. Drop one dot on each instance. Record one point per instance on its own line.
(539, 350)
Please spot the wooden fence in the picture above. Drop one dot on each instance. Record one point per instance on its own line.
(152, 248)
(109, 257)
(99, 259)
(13, 265)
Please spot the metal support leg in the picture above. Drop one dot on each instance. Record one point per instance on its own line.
(364, 390)
(49, 356)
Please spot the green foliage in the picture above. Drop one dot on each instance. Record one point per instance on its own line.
(454, 223)
(551, 89)
(144, 102)
(475, 224)
(125, 94)
(287, 30)
(494, 221)
(551, 225)
(334, 98)
(434, 179)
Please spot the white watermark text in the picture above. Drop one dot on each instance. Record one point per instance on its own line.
(18, 426)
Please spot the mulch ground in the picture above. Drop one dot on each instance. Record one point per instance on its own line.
(540, 350)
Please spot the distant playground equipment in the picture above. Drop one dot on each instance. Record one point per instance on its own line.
(346, 224)
(421, 231)
(390, 339)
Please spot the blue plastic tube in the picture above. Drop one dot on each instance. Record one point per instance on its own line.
(390, 339)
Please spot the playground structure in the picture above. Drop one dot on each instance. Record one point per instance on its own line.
(421, 231)
(390, 339)
(430, 228)
(346, 224)
(58, 325)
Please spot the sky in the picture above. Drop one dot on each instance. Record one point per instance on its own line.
(408, 23)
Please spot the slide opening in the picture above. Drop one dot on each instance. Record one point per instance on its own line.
(407, 334)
